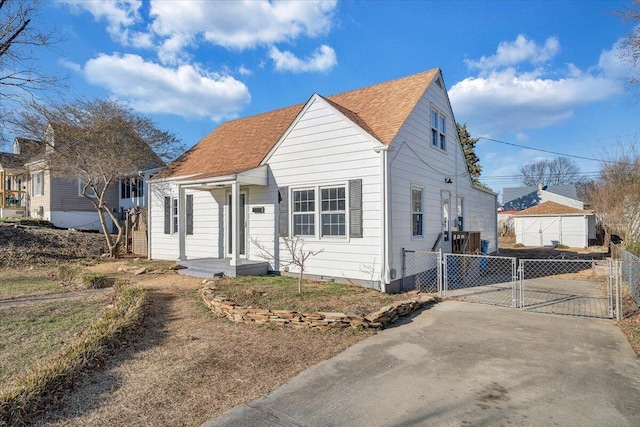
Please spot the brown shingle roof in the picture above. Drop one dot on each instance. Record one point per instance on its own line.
(551, 208)
(242, 144)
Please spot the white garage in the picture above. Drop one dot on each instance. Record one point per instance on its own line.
(552, 224)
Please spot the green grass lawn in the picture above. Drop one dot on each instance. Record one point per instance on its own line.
(18, 287)
(35, 331)
(281, 293)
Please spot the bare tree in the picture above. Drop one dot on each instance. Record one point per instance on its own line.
(550, 172)
(19, 41)
(615, 196)
(631, 46)
(98, 142)
(298, 255)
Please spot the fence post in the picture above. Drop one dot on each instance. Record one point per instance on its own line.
(404, 269)
(610, 287)
(514, 281)
(521, 274)
(442, 274)
(618, 299)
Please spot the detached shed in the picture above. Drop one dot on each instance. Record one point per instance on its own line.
(551, 224)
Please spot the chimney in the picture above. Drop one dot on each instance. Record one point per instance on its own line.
(540, 185)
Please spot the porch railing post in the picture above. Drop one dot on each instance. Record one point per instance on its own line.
(234, 218)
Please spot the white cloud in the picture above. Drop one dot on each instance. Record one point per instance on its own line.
(151, 88)
(174, 27)
(516, 52)
(243, 24)
(120, 15)
(506, 99)
(322, 59)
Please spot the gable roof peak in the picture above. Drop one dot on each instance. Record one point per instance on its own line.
(379, 109)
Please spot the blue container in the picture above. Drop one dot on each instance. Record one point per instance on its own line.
(485, 251)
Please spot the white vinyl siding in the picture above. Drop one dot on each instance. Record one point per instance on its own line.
(413, 161)
(325, 150)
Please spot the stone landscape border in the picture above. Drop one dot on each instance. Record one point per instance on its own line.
(226, 308)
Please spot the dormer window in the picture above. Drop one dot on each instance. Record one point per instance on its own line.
(438, 130)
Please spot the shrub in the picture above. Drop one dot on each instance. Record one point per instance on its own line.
(94, 281)
(67, 274)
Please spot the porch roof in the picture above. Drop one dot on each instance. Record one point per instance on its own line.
(256, 176)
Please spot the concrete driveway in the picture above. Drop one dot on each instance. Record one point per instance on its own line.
(462, 364)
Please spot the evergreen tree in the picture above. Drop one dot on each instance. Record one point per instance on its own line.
(468, 146)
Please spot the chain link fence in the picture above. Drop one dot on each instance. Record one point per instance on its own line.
(630, 273)
(421, 270)
(560, 286)
(480, 278)
(564, 286)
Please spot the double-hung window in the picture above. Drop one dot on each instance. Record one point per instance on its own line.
(37, 183)
(416, 212)
(333, 211)
(438, 130)
(304, 207)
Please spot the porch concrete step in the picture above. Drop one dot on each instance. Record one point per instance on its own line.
(209, 268)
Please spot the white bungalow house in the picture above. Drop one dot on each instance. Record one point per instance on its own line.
(359, 176)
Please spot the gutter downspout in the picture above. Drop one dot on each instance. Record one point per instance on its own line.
(148, 195)
(385, 276)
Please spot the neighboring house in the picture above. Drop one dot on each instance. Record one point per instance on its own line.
(14, 177)
(546, 216)
(521, 198)
(359, 176)
(43, 195)
(553, 224)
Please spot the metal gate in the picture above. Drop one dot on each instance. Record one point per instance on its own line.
(480, 278)
(565, 286)
(558, 286)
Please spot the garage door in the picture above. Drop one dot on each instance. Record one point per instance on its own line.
(543, 231)
(550, 228)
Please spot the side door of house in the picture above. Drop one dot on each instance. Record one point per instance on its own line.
(446, 217)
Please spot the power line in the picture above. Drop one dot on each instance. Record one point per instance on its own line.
(553, 152)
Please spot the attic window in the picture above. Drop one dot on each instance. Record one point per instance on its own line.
(438, 130)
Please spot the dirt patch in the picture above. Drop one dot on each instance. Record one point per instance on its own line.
(188, 366)
(45, 246)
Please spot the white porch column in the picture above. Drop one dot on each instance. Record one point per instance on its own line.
(234, 218)
(182, 223)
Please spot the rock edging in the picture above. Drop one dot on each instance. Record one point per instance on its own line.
(224, 307)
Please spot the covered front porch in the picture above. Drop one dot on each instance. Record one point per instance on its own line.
(215, 240)
(12, 193)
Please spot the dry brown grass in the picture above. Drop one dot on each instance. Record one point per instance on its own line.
(188, 366)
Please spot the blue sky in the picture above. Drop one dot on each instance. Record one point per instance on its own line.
(540, 74)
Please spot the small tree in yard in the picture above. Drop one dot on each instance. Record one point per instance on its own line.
(295, 248)
(98, 142)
